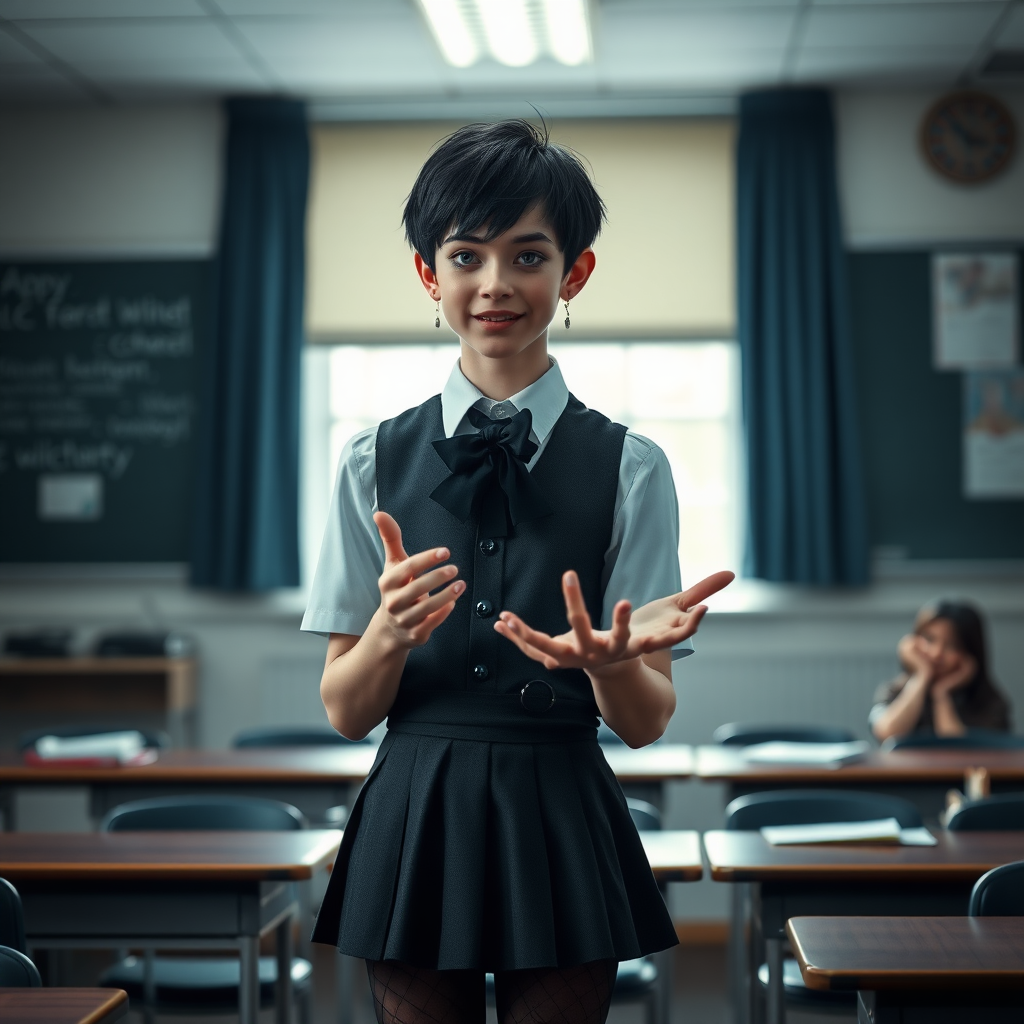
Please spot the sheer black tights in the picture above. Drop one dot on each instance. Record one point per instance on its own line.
(550, 995)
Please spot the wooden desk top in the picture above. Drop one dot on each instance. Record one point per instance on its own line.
(959, 857)
(674, 856)
(909, 952)
(297, 765)
(726, 764)
(62, 1005)
(168, 856)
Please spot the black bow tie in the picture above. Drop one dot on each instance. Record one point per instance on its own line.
(488, 472)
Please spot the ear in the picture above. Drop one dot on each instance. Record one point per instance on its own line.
(428, 278)
(579, 274)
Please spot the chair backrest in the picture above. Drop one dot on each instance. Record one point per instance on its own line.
(293, 736)
(745, 734)
(999, 892)
(1002, 813)
(17, 971)
(156, 740)
(973, 739)
(204, 813)
(646, 817)
(815, 807)
(12, 919)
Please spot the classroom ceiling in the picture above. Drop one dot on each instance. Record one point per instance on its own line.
(377, 58)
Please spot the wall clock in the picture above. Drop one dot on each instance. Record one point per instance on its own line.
(968, 137)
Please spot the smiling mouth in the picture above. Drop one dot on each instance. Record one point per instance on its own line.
(497, 318)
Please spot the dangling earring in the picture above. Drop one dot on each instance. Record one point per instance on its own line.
(437, 314)
(566, 304)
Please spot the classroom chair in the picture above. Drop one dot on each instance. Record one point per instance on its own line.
(292, 736)
(12, 918)
(745, 734)
(1004, 813)
(999, 892)
(16, 970)
(203, 984)
(810, 807)
(973, 739)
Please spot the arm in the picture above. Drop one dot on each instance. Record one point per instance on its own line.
(944, 714)
(629, 665)
(362, 673)
(905, 710)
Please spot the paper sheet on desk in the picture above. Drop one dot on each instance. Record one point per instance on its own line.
(825, 754)
(882, 830)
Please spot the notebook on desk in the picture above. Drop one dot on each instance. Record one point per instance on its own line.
(825, 754)
(883, 831)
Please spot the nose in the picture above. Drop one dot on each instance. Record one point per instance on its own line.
(493, 282)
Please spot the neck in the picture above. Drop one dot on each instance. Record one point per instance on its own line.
(500, 378)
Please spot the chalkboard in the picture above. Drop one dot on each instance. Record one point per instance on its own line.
(98, 408)
(911, 423)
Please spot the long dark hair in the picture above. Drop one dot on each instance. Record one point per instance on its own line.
(969, 627)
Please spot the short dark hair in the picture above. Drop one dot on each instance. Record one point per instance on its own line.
(488, 175)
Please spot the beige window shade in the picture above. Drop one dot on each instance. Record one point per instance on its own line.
(665, 265)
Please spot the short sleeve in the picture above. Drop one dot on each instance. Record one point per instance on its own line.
(344, 594)
(642, 562)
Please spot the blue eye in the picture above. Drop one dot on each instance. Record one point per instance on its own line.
(532, 259)
(463, 258)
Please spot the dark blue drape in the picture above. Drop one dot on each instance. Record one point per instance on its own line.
(246, 531)
(805, 492)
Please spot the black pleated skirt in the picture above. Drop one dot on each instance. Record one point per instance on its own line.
(463, 853)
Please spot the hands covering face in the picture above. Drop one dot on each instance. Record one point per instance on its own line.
(944, 674)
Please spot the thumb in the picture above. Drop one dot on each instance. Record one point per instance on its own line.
(391, 534)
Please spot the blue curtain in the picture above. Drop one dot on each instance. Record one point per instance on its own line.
(246, 535)
(806, 514)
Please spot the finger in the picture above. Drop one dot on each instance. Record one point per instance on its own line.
(398, 574)
(702, 591)
(669, 638)
(576, 610)
(391, 534)
(414, 616)
(432, 621)
(547, 660)
(534, 638)
(412, 592)
(619, 639)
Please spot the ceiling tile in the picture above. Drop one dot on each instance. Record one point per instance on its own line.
(890, 64)
(18, 10)
(1012, 35)
(325, 8)
(652, 35)
(909, 25)
(14, 54)
(22, 82)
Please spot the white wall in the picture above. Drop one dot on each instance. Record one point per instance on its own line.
(89, 181)
(892, 198)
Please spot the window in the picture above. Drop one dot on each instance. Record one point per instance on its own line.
(682, 395)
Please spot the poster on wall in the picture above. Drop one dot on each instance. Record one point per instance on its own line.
(975, 315)
(994, 434)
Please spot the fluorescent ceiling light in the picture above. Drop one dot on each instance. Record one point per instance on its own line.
(568, 31)
(510, 36)
(453, 35)
(513, 32)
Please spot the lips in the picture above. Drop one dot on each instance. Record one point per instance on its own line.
(497, 316)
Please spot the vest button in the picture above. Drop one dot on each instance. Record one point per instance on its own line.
(488, 546)
(484, 609)
(480, 672)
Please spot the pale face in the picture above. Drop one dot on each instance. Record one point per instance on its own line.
(500, 296)
(939, 643)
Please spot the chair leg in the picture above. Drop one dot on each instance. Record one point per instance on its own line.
(148, 987)
(249, 980)
(776, 990)
(283, 935)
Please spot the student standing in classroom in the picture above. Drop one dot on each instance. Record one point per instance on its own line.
(491, 835)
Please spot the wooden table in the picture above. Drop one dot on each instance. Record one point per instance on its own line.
(62, 1005)
(312, 778)
(168, 890)
(962, 969)
(792, 881)
(674, 856)
(922, 776)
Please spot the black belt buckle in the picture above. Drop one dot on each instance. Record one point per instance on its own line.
(537, 696)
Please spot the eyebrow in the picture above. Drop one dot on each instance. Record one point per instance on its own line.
(535, 236)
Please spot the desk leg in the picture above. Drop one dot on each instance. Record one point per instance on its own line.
(344, 977)
(739, 955)
(776, 991)
(249, 979)
(284, 971)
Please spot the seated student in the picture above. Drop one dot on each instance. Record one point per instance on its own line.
(945, 687)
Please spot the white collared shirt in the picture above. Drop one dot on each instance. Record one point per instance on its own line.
(640, 565)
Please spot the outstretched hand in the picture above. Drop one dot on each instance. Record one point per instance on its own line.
(410, 612)
(653, 627)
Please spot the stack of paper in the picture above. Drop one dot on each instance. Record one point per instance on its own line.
(883, 830)
(779, 752)
(107, 748)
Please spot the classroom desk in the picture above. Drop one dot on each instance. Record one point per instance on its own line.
(792, 881)
(922, 776)
(168, 890)
(943, 969)
(62, 1005)
(311, 778)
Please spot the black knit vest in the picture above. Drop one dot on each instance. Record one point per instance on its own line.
(578, 473)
